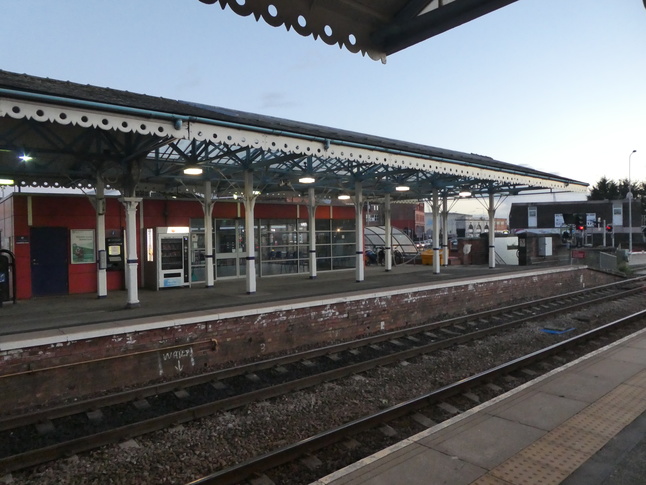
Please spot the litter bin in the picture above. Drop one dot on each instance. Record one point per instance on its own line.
(7, 276)
(427, 257)
(4, 278)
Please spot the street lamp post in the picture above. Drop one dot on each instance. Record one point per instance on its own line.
(630, 208)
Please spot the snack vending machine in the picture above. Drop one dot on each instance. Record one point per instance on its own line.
(172, 257)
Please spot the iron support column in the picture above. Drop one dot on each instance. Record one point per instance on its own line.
(445, 228)
(132, 263)
(102, 257)
(491, 210)
(358, 213)
(311, 226)
(249, 204)
(435, 207)
(388, 234)
(630, 209)
(208, 234)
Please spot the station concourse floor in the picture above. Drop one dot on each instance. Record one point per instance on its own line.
(582, 424)
(52, 312)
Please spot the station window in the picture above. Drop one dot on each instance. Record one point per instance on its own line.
(282, 246)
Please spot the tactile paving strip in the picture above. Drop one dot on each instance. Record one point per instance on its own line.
(491, 480)
(552, 458)
(638, 380)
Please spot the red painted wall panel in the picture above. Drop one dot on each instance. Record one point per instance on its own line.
(343, 212)
(227, 210)
(77, 212)
(275, 211)
(23, 271)
(82, 278)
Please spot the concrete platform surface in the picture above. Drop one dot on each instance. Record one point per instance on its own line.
(42, 313)
(581, 424)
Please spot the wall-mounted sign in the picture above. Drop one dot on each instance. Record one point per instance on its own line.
(591, 219)
(82, 245)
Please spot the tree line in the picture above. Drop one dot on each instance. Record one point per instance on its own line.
(606, 189)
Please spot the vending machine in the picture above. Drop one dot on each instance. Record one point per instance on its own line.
(170, 256)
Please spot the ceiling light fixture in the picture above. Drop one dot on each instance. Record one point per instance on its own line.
(343, 197)
(193, 170)
(6, 182)
(465, 193)
(402, 188)
(25, 158)
(307, 180)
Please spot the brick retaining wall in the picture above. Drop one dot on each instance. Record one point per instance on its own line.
(86, 366)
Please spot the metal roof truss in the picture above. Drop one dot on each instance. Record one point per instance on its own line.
(71, 146)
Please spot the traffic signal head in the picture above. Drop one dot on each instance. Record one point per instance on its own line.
(579, 220)
(609, 228)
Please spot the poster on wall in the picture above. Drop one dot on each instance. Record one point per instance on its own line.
(82, 244)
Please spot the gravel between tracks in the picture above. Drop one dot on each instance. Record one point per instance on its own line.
(190, 451)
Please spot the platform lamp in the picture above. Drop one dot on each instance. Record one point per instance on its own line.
(193, 169)
(629, 195)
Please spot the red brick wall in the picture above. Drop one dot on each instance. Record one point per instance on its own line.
(84, 367)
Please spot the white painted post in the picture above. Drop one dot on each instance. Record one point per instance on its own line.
(491, 210)
(358, 214)
(102, 257)
(311, 226)
(208, 234)
(132, 263)
(249, 200)
(435, 207)
(445, 228)
(388, 233)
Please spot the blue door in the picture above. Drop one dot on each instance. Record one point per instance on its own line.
(49, 258)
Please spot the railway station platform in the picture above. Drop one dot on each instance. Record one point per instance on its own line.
(56, 312)
(48, 343)
(581, 424)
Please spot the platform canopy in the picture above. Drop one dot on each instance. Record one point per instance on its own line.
(59, 134)
(374, 27)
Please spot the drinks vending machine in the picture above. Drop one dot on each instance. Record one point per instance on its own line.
(168, 257)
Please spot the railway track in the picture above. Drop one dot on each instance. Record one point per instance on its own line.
(46, 435)
(299, 462)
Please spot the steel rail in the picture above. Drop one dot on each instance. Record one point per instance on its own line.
(11, 422)
(292, 452)
(78, 445)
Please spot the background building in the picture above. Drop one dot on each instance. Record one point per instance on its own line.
(588, 222)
